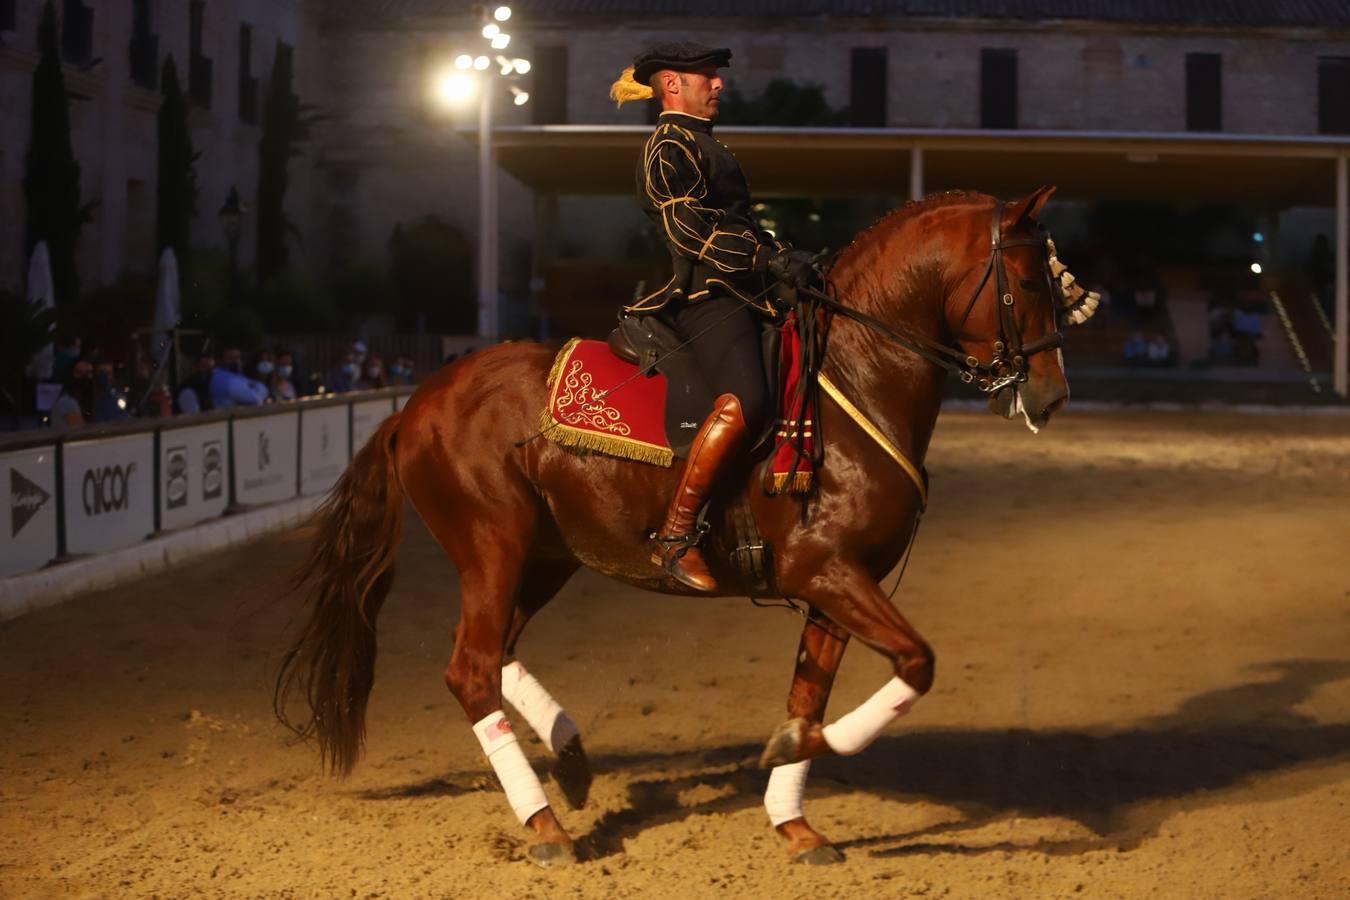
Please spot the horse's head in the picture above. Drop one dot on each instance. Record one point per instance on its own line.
(1005, 311)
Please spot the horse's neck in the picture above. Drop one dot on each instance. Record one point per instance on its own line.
(894, 387)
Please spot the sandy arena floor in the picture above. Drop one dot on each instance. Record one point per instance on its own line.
(1143, 690)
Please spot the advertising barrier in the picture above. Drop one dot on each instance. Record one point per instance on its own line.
(265, 455)
(28, 535)
(193, 474)
(108, 492)
(325, 446)
(366, 418)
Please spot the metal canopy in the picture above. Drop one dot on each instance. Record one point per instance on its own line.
(1261, 171)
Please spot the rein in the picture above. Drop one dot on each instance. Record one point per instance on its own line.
(1008, 365)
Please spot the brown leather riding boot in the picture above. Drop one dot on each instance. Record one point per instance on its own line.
(723, 436)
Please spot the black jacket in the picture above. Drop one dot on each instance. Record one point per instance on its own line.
(691, 186)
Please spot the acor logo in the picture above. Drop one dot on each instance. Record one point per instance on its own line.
(107, 489)
(25, 499)
(264, 451)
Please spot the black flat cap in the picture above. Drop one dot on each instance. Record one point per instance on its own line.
(680, 56)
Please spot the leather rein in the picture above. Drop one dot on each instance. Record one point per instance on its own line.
(1009, 363)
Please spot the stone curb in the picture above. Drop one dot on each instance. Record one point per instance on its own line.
(20, 594)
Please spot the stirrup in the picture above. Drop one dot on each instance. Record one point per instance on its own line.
(675, 546)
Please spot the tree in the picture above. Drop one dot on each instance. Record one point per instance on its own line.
(176, 200)
(286, 125)
(784, 102)
(51, 183)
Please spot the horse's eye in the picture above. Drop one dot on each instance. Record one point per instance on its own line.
(1028, 284)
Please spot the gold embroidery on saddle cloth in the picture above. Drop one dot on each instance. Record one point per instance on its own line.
(575, 407)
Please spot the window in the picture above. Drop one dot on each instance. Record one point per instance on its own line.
(1333, 94)
(199, 67)
(867, 87)
(144, 51)
(77, 32)
(248, 85)
(1204, 92)
(998, 88)
(548, 92)
(9, 15)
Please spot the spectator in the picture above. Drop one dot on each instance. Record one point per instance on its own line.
(281, 386)
(372, 378)
(264, 367)
(343, 380)
(110, 404)
(1159, 350)
(229, 389)
(195, 395)
(232, 360)
(74, 406)
(63, 363)
(1136, 348)
(401, 372)
(359, 353)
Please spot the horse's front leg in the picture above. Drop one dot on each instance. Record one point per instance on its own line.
(849, 596)
(818, 657)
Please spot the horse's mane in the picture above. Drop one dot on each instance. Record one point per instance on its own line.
(870, 288)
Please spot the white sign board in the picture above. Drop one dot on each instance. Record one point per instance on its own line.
(109, 492)
(193, 473)
(366, 419)
(401, 401)
(265, 457)
(324, 447)
(28, 530)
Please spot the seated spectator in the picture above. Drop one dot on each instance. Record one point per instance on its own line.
(401, 372)
(75, 404)
(110, 404)
(195, 394)
(231, 389)
(1159, 350)
(264, 367)
(281, 386)
(232, 360)
(68, 350)
(1136, 348)
(372, 378)
(343, 379)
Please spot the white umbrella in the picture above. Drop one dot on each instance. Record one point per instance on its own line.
(42, 294)
(167, 297)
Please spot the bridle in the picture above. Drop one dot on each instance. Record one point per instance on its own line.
(1009, 363)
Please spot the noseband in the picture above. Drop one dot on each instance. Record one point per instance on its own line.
(1009, 363)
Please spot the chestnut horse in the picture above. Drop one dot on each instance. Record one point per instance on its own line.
(518, 521)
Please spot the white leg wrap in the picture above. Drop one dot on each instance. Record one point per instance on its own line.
(783, 797)
(523, 790)
(548, 719)
(853, 732)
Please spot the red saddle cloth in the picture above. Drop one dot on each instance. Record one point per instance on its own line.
(597, 401)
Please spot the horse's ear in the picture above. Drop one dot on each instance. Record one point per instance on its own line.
(1029, 207)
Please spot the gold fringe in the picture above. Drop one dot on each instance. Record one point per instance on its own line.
(581, 439)
(795, 483)
(626, 89)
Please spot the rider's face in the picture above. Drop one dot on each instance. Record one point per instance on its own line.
(696, 92)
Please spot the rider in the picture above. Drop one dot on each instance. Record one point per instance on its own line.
(691, 186)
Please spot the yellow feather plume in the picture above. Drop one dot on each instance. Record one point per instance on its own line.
(626, 89)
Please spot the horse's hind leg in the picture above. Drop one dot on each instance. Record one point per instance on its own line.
(818, 657)
(848, 595)
(571, 770)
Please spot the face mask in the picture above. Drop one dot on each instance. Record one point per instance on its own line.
(264, 368)
(349, 368)
(284, 371)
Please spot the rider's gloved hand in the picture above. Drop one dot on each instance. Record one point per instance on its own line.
(794, 268)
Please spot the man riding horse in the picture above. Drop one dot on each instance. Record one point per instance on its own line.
(692, 188)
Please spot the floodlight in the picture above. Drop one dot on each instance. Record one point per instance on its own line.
(491, 30)
(522, 65)
(501, 13)
(1256, 268)
(481, 63)
(521, 97)
(500, 41)
(464, 61)
(452, 88)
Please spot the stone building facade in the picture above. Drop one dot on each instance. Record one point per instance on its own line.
(388, 154)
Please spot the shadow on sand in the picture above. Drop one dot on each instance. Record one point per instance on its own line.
(1104, 780)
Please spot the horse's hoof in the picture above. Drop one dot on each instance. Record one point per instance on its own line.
(824, 855)
(551, 856)
(572, 773)
(784, 744)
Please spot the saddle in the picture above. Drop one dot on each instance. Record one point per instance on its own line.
(651, 344)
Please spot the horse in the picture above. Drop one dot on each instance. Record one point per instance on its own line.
(519, 518)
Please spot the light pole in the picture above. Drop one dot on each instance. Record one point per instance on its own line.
(476, 72)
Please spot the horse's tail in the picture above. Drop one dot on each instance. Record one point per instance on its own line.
(348, 573)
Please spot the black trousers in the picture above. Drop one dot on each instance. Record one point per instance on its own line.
(728, 353)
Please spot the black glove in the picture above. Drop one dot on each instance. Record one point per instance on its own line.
(794, 268)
